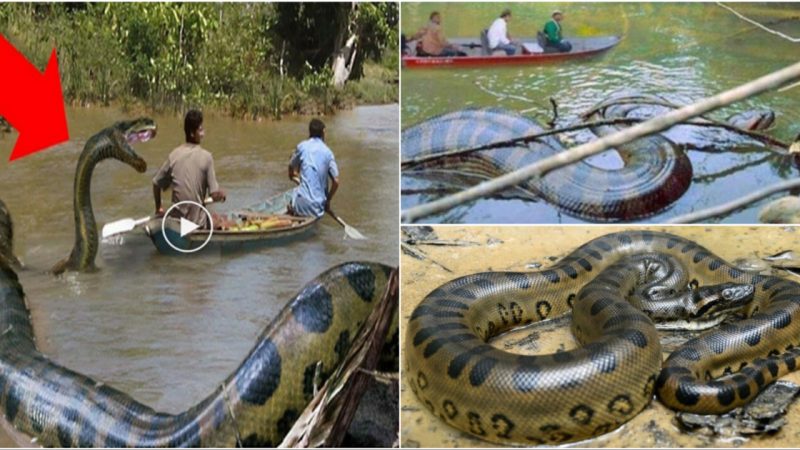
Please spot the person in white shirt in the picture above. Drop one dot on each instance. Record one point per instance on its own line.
(498, 36)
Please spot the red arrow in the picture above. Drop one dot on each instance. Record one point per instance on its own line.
(31, 102)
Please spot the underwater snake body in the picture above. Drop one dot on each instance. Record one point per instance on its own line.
(254, 406)
(656, 173)
(591, 390)
(112, 142)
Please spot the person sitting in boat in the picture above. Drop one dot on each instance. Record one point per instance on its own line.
(432, 41)
(311, 165)
(189, 171)
(554, 42)
(498, 36)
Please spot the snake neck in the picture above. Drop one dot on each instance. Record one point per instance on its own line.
(84, 250)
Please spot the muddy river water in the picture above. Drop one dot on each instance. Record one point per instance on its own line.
(684, 51)
(167, 329)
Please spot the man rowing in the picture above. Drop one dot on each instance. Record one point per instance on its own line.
(313, 163)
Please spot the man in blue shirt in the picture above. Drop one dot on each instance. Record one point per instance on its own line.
(314, 163)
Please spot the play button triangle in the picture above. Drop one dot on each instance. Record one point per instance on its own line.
(187, 226)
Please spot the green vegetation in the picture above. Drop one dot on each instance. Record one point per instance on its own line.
(250, 60)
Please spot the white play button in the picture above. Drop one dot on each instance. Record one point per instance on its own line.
(187, 226)
(189, 242)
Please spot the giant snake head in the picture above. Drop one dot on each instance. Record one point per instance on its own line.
(753, 120)
(134, 131)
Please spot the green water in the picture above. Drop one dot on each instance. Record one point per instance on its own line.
(685, 51)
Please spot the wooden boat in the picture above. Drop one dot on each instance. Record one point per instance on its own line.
(478, 55)
(279, 228)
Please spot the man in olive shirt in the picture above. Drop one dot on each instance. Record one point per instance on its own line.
(189, 171)
(554, 42)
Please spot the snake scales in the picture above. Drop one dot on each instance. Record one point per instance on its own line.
(657, 172)
(611, 284)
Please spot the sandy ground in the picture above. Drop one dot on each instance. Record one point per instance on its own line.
(514, 248)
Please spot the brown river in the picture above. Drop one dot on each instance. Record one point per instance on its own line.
(168, 329)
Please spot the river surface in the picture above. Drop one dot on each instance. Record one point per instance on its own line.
(684, 51)
(168, 329)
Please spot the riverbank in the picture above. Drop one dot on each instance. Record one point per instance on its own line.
(247, 60)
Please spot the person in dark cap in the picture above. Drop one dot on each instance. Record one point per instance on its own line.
(554, 42)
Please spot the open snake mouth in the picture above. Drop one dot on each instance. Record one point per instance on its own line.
(141, 135)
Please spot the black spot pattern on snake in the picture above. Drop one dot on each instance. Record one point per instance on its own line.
(308, 380)
(543, 309)
(87, 434)
(699, 256)
(672, 242)
(716, 343)
(725, 392)
(773, 368)
(481, 370)
(313, 309)
(526, 377)
(649, 386)
(581, 414)
(458, 363)
(647, 236)
(689, 353)
(451, 304)
(449, 409)
(562, 357)
(714, 264)
(570, 271)
(594, 254)
(503, 426)
(63, 432)
(422, 380)
(734, 272)
(438, 343)
(624, 239)
(484, 283)
(687, 392)
(604, 360)
(688, 246)
(602, 245)
(624, 319)
(286, 421)
(362, 280)
(752, 334)
(475, 426)
(621, 404)
(519, 280)
(252, 440)
(570, 300)
(600, 305)
(667, 372)
(424, 333)
(602, 429)
(464, 293)
(261, 374)
(12, 403)
(635, 337)
(790, 362)
(551, 276)
(781, 319)
(587, 266)
(742, 386)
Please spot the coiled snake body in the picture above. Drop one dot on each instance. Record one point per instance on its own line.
(656, 172)
(611, 284)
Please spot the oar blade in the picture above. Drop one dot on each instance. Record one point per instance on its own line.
(117, 227)
(352, 233)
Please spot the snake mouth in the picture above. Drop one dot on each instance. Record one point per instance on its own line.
(142, 131)
(141, 135)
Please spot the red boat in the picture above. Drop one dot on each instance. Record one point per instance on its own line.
(531, 53)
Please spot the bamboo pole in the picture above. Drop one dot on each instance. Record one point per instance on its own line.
(736, 204)
(749, 89)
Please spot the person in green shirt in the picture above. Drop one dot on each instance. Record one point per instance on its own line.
(552, 31)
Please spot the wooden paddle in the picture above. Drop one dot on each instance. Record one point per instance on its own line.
(130, 224)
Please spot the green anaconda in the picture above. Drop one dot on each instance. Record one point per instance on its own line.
(7, 238)
(612, 285)
(656, 173)
(255, 406)
(112, 142)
